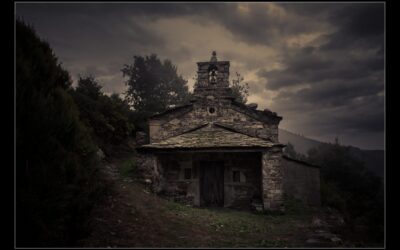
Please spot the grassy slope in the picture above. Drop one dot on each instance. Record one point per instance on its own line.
(134, 217)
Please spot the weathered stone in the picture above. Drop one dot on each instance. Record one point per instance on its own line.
(252, 105)
(313, 241)
(141, 138)
(267, 111)
(149, 171)
(317, 222)
(218, 131)
(336, 239)
(100, 154)
(272, 180)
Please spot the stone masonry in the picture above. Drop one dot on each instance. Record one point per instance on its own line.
(272, 179)
(215, 150)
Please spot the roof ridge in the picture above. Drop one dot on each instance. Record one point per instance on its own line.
(254, 113)
(194, 129)
(188, 131)
(170, 110)
(221, 137)
(238, 131)
(300, 161)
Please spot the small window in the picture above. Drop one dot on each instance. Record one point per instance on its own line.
(236, 176)
(211, 110)
(188, 173)
(213, 76)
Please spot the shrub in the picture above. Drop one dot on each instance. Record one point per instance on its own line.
(128, 168)
(57, 177)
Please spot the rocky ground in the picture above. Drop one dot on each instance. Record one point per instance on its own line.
(132, 216)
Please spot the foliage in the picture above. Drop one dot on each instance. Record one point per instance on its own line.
(154, 86)
(107, 117)
(128, 168)
(296, 207)
(331, 195)
(240, 90)
(291, 152)
(56, 165)
(348, 186)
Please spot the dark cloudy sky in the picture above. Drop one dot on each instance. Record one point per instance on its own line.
(319, 65)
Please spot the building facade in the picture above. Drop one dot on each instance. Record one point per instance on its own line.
(215, 151)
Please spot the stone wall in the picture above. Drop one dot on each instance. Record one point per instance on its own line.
(222, 76)
(236, 194)
(243, 193)
(302, 181)
(174, 184)
(149, 170)
(165, 174)
(213, 103)
(223, 114)
(272, 177)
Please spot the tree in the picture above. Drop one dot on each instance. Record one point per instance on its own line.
(153, 86)
(106, 117)
(57, 180)
(347, 185)
(289, 151)
(240, 90)
(89, 87)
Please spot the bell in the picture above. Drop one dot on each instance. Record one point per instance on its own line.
(213, 57)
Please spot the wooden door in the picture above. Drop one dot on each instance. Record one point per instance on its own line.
(211, 183)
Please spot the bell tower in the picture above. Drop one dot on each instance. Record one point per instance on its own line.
(213, 78)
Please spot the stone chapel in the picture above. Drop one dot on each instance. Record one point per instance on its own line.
(215, 151)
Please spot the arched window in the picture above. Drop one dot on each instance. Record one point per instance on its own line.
(212, 74)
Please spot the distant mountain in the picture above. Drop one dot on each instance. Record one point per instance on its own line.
(373, 159)
(301, 144)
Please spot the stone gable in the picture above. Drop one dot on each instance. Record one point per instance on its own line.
(216, 151)
(240, 118)
(209, 136)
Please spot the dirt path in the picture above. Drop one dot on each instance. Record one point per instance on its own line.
(134, 217)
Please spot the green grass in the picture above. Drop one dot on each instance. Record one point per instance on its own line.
(128, 168)
(155, 222)
(295, 207)
(243, 228)
(163, 222)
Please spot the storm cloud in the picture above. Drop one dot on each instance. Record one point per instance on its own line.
(319, 65)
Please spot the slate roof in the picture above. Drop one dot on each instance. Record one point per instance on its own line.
(257, 114)
(300, 161)
(171, 110)
(210, 137)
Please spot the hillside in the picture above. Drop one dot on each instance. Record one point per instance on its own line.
(132, 216)
(373, 159)
(301, 144)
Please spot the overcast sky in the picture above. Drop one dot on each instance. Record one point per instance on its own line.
(319, 65)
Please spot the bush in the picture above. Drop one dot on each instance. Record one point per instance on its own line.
(57, 174)
(295, 207)
(107, 117)
(331, 196)
(128, 168)
(347, 185)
